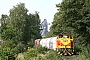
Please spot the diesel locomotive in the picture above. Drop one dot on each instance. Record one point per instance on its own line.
(65, 44)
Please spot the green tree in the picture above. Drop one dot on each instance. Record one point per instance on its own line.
(4, 22)
(17, 30)
(20, 26)
(18, 17)
(73, 16)
(31, 28)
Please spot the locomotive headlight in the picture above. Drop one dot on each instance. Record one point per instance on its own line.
(65, 40)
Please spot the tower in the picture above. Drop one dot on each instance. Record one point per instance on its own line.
(44, 28)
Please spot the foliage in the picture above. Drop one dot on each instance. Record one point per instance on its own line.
(30, 54)
(52, 55)
(33, 53)
(20, 26)
(72, 17)
(40, 49)
(18, 30)
(6, 53)
(27, 26)
(4, 21)
(85, 51)
(9, 50)
(84, 54)
(50, 34)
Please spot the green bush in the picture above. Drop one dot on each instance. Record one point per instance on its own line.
(9, 50)
(30, 43)
(34, 53)
(52, 55)
(40, 58)
(21, 47)
(86, 51)
(40, 49)
(77, 48)
(82, 57)
(31, 53)
(6, 54)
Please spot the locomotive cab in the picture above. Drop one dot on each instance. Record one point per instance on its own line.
(65, 44)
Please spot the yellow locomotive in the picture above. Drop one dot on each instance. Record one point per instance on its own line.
(65, 44)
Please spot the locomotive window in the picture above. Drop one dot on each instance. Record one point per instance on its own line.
(70, 37)
(65, 36)
(61, 36)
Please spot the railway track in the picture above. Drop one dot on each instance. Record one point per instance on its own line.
(73, 57)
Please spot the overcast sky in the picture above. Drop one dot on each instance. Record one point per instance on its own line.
(46, 8)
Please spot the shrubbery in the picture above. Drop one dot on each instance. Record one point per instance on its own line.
(85, 53)
(41, 49)
(33, 53)
(52, 55)
(9, 50)
(40, 53)
(6, 54)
